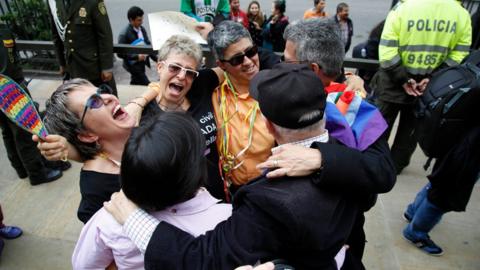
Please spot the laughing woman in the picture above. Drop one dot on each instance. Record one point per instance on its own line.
(183, 88)
(93, 122)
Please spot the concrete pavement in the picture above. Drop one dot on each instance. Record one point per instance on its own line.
(47, 214)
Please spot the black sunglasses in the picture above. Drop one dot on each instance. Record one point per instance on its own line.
(175, 69)
(238, 59)
(95, 101)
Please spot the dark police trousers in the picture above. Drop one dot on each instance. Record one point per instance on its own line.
(404, 143)
(22, 152)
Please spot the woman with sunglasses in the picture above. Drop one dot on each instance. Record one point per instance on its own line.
(242, 139)
(183, 88)
(163, 171)
(96, 128)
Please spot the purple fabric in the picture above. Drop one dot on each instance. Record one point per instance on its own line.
(359, 128)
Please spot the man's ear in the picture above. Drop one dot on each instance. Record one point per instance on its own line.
(87, 137)
(316, 68)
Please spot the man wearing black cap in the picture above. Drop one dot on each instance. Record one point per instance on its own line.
(292, 220)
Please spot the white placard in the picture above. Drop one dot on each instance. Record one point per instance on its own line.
(165, 24)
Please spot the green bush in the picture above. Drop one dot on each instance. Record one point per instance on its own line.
(28, 19)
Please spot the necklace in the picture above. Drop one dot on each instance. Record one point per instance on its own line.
(170, 109)
(229, 161)
(105, 156)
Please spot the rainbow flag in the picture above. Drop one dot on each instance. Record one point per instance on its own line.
(19, 107)
(360, 127)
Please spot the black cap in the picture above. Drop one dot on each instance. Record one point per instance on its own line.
(289, 95)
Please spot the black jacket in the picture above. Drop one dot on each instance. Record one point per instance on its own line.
(286, 218)
(369, 172)
(130, 61)
(87, 49)
(455, 174)
(350, 32)
(9, 60)
(273, 33)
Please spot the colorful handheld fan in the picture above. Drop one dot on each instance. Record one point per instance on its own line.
(19, 107)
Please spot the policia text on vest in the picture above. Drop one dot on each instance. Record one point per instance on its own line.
(432, 25)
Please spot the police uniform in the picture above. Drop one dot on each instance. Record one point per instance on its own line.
(21, 150)
(83, 38)
(419, 37)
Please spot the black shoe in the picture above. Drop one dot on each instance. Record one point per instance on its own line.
(52, 175)
(22, 174)
(426, 245)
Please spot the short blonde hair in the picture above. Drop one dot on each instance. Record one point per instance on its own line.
(181, 45)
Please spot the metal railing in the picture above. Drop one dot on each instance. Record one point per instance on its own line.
(27, 47)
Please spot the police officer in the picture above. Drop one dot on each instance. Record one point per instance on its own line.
(418, 38)
(21, 150)
(83, 40)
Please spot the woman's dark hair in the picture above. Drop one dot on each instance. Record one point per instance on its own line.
(280, 6)
(134, 12)
(163, 162)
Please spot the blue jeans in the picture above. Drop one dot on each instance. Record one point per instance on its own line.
(425, 215)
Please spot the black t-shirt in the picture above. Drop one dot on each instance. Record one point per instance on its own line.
(95, 188)
(201, 109)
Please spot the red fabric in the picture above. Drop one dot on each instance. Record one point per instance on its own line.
(335, 87)
(240, 17)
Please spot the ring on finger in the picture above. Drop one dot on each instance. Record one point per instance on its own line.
(275, 163)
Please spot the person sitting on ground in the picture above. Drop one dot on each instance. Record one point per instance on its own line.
(288, 218)
(163, 171)
(318, 10)
(135, 34)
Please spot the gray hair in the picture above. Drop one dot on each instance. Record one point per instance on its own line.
(180, 45)
(225, 34)
(59, 119)
(341, 7)
(293, 134)
(318, 41)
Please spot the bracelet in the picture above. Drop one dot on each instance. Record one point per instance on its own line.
(134, 102)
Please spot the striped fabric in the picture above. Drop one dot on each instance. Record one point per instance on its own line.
(19, 107)
(360, 127)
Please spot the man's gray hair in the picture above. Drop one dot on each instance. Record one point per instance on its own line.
(59, 119)
(180, 45)
(294, 133)
(318, 41)
(225, 34)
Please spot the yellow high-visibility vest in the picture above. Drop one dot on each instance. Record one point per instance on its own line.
(423, 34)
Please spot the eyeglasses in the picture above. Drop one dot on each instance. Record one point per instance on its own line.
(238, 59)
(95, 101)
(175, 69)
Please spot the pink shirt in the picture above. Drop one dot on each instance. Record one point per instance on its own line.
(102, 239)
